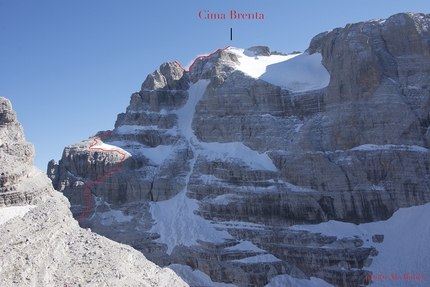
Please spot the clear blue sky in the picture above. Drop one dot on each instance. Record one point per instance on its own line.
(70, 66)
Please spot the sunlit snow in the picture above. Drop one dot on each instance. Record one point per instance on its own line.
(296, 72)
(177, 224)
(186, 113)
(9, 212)
(105, 146)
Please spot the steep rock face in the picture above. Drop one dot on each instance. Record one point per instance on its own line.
(42, 245)
(340, 132)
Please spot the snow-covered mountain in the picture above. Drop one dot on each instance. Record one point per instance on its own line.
(219, 170)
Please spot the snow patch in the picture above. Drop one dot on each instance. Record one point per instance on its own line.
(224, 199)
(105, 146)
(258, 258)
(195, 277)
(208, 178)
(156, 154)
(111, 216)
(298, 127)
(256, 66)
(215, 151)
(287, 280)
(9, 212)
(246, 246)
(405, 249)
(302, 73)
(177, 224)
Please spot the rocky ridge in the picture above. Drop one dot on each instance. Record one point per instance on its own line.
(257, 157)
(41, 243)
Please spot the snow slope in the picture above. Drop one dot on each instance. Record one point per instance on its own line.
(287, 280)
(104, 146)
(156, 154)
(186, 113)
(195, 277)
(405, 249)
(177, 224)
(175, 220)
(254, 159)
(297, 73)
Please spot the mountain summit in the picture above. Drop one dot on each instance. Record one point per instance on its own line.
(223, 160)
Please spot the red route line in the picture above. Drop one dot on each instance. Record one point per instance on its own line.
(200, 57)
(87, 194)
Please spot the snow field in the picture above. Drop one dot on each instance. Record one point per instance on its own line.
(195, 277)
(104, 146)
(176, 221)
(177, 224)
(186, 113)
(297, 73)
(252, 158)
(156, 154)
(405, 249)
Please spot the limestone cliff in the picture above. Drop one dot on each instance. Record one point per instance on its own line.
(20, 182)
(254, 142)
(42, 245)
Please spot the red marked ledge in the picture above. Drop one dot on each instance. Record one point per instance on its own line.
(87, 194)
(200, 57)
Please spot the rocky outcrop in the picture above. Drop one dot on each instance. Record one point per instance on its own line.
(41, 243)
(47, 247)
(20, 182)
(252, 152)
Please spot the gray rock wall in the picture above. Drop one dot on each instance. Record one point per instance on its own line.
(355, 151)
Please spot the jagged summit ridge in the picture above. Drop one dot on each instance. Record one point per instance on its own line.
(253, 142)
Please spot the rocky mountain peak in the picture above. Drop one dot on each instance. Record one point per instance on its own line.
(168, 77)
(248, 143)
(215, 68)
(10, 127)
(260, 50)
